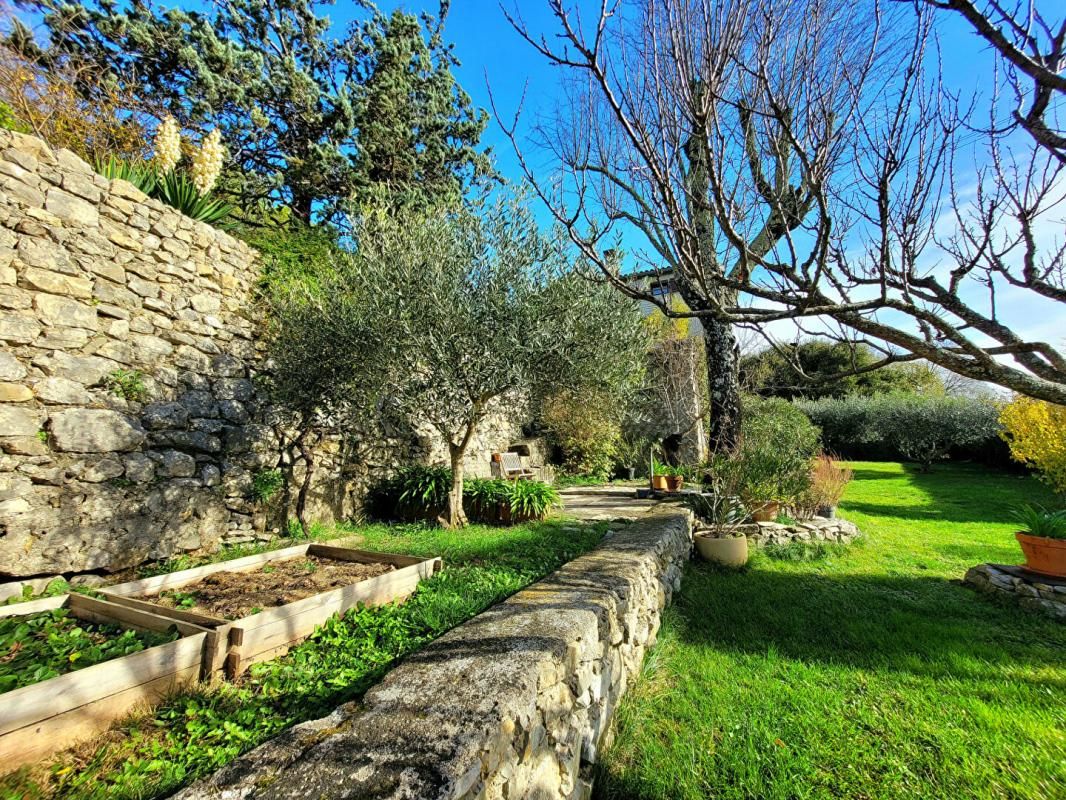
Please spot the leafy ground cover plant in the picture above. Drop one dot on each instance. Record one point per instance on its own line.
(189, 736)
(36, 647)
(531, 499)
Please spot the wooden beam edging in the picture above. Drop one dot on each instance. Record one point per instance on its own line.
(515, 702)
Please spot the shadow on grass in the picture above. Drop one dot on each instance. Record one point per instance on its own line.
(962, 493)
(928, 627)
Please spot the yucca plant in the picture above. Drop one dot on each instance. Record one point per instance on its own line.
(1038, 521)
(179, 192)
(141, 174)
(531, 499)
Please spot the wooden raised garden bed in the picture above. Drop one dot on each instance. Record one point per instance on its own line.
(45, 717)
(259, 606)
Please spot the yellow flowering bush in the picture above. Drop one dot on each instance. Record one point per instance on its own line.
(167, 145)
(1036, 433)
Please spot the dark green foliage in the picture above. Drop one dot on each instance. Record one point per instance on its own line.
(919, 428)
(36, 647)
(192, 735)
(309, 119)
(484, 497)
(1038, 521)
(423, 488)
(774, 456)
(770, 373)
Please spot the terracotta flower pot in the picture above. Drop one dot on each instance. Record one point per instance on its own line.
(729, 551)
(1043, 555)
(674, 483)
(767, 512)
(658, 482)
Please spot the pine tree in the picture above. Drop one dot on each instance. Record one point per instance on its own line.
(309, 119)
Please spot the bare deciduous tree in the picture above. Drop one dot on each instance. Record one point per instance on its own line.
(800, 160)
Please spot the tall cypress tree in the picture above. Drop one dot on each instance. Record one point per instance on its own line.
(309, 119)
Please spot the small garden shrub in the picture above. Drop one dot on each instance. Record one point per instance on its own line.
(1036, 433)
(531, 500)
(129, 384)
(483, 498)
(828, 482)
(778, 443)
(422, 490)
(586, 427)
(923, 429)
(266, 483)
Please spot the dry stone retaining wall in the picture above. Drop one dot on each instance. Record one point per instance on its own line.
(102, 287)
(516, 703)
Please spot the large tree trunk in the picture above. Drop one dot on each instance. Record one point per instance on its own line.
(723, 384)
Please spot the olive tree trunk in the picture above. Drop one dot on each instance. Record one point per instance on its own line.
(456, 516)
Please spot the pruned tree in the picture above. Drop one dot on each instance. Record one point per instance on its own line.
(471, 308)
(800, 161)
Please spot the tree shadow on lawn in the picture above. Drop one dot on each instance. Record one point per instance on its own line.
(926, 627)
(955, 493)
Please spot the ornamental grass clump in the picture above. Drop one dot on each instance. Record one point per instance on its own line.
(829, 479)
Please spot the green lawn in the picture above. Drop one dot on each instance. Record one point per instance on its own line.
(868, 672)
(192, 735)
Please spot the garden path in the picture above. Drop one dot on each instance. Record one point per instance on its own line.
(606, 503)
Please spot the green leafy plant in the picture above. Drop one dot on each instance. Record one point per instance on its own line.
(1038, 521)
(128, 383)
(36, 647)
(422, 490)
(141, 174)
(531, 499)
(484, 497)
(42, 435)
(774, 455)
(178, 191)
(266, 483)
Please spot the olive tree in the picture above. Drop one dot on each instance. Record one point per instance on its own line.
(472, 309)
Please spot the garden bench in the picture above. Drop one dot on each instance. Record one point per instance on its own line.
(511, 467)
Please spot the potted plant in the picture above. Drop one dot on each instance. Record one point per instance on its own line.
(1043, 540)
(659, 474)
(720, 511)
(675, 479)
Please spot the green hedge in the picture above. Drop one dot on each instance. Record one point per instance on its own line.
(909, 427)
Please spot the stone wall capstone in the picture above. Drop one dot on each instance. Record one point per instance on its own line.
(130, 424)
(515, 703)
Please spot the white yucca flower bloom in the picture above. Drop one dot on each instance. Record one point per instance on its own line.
(207, 163)
(167, 145)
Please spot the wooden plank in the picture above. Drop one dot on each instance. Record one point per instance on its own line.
(192, 617)
(287, 631)
(174, 580)
(363, 556)
(30, 704)
(331, 598)
(34, 606)
(94, 610)
(44, 737)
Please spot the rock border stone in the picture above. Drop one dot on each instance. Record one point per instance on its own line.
(514, 703)
(817, 529)
(1017, 584)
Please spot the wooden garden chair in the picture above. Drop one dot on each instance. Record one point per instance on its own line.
(511, 467)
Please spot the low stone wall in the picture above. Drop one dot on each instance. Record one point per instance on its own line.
(818, 529)
(513, 704)
(1031, 591)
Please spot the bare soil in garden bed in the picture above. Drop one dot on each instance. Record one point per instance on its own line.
(234, 595)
